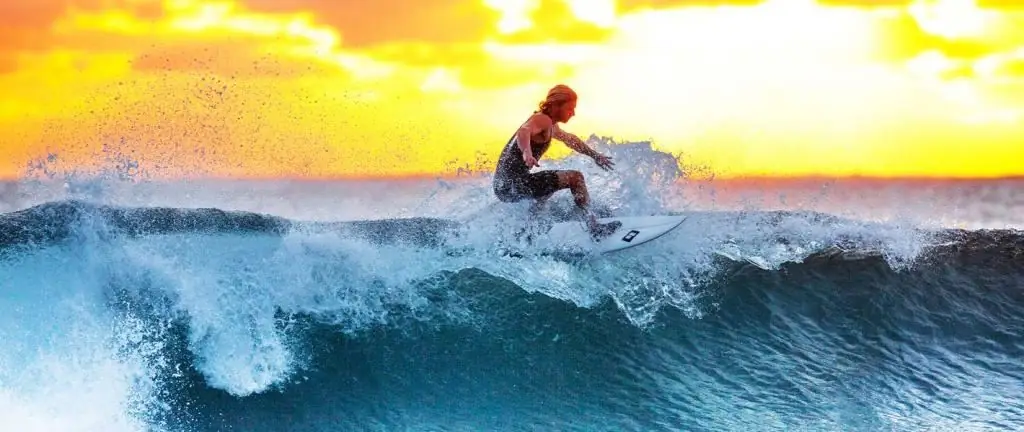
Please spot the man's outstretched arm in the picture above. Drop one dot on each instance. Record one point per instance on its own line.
(574, 142)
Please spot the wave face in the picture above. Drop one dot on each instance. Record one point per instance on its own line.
(124, 317)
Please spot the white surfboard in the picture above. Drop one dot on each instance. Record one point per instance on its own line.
(635, 231)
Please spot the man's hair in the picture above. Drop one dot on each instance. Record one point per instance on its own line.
(558, 95)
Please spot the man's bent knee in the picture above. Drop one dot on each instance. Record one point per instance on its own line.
(571, 178)
(577, 177)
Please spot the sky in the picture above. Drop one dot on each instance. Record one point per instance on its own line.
(353, 88)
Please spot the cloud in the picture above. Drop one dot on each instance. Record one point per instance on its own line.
(905, 28)
(24, 25)
(1001, 4)
(216, 37)
(629, 5)
(575, 21)
(869, 4)
(1012, 68)
(30, 13)
(366, 23)
(900, 36)
(267, 87)
(27, 24)
(228, 59)
(425, 54)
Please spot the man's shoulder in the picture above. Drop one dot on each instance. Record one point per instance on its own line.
(541, 120)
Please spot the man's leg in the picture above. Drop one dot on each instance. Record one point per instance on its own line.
(577, 185)
(574, 180)
(545, 183)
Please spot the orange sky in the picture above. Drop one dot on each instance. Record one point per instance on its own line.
(320, 88)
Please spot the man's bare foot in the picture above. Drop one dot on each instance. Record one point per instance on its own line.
(599, 230)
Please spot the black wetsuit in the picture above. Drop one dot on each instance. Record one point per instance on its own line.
(513, 180)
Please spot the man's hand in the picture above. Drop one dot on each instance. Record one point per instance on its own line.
(604, 162)
(530, 160)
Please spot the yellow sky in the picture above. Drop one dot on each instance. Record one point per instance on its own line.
(258, 88)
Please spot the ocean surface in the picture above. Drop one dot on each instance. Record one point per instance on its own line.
(132, 304)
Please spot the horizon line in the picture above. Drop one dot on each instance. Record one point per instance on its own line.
(449, 176)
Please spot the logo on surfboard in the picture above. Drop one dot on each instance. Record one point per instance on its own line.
(630, 235)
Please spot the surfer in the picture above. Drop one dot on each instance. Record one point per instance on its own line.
(513, 180)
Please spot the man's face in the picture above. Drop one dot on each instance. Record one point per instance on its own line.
(566, 111)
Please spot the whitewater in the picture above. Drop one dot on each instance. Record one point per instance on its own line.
(135, 304)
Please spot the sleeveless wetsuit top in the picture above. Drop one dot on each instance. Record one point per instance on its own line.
(510, 163)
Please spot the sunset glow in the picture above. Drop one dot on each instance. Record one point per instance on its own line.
(312, 88)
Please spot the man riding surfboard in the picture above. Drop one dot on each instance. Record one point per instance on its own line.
(513, 180)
